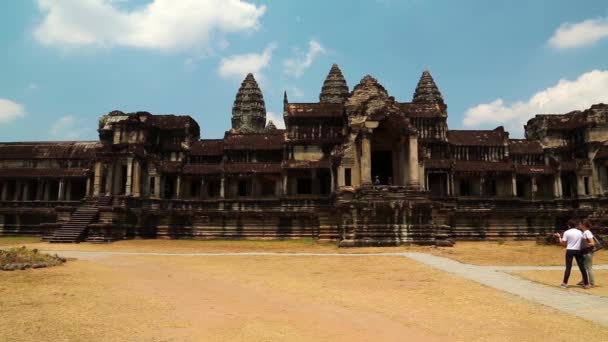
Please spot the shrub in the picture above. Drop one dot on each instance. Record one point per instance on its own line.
(21, 258)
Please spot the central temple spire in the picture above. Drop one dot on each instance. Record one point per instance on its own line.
(249, 110)
(335, 89)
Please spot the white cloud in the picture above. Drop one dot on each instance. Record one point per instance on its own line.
(166, 25)
(276, 119)
(585, 33)
(297, 65)
(238, 66)
(589, 88)
(10, 111)
(67, 128)
(294, 91)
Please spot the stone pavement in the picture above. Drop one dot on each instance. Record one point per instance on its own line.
(586, 306)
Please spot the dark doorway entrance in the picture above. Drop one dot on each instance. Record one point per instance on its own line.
(382, 167)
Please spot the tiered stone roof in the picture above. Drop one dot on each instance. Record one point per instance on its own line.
(427, 91)
(249, 110)
(335, 89)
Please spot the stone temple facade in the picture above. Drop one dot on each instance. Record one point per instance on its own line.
(358, 167)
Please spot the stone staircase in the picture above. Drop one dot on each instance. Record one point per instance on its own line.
(74, 230)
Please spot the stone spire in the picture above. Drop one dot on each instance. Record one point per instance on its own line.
(249, 110)
(335, 89)
(427, 91)
(271, 125)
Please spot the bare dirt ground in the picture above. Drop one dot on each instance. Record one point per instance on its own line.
(287, 298)
(554, 278)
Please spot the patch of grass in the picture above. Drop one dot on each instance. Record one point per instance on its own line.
(21, 258)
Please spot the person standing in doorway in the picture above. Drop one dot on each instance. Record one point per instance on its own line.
(572, 241)
(589, 243)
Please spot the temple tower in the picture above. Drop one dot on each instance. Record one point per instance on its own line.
(249, 110)
(335, 89)
(428, 92)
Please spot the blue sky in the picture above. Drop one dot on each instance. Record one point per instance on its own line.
(67, 62)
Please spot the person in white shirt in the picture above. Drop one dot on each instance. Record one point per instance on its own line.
(588, 252)
(572, 240)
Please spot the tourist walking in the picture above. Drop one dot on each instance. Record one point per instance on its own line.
(572, 241)
(587, 249)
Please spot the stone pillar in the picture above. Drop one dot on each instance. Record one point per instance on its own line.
(87, 192)
(178, 187)
(17, 191)
(97, 179)
(580, 185)
(514, 185)
(157, 186)
(451, 184)
(39, 189)
(129, 180)
(534, 187)
(46, 195)
(402, 177)
(3, 195)
(68, 190)
(110, 180)
(26, 191)
(413, 179)
(201, 191)
(223, 187)
(332, 185)
(61, 193)
(366, 159)
(558, 185)
(482, 180)
(284, 182)
(341, 179)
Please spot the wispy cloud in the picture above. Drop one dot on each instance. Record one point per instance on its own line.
(585, 33)
(166, 25)
(296, 65)
(68, 128)
(10, 111)
(237, 66)
(589, 88)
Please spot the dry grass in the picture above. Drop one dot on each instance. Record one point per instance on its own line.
(18, 240)
(221, 246)
(170, 298)
(554, 278)
(22, 258)
(510, 253)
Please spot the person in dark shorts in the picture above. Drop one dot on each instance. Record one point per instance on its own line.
(572, 241)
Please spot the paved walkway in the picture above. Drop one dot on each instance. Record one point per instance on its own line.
(590, 307)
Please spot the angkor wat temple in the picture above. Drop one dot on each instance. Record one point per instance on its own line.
(358, 167)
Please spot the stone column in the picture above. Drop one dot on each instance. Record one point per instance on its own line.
(87, 192)
(4, 191)
(201, 192)
(332, 185)
(129, 180)
(178, 187)
(514, 185)
(26, 191)
(97, 179)
(61, 193)
(284, 182)
(223, 187)
(157, 186)
(47, 191)
(580, 185)
(68, 190)
(366, 158)
(451, 183)
(110, 180)
(413, 179)
(558, 185)
(341, 179)
(482, 180)
(534, 187)
(39, 189)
